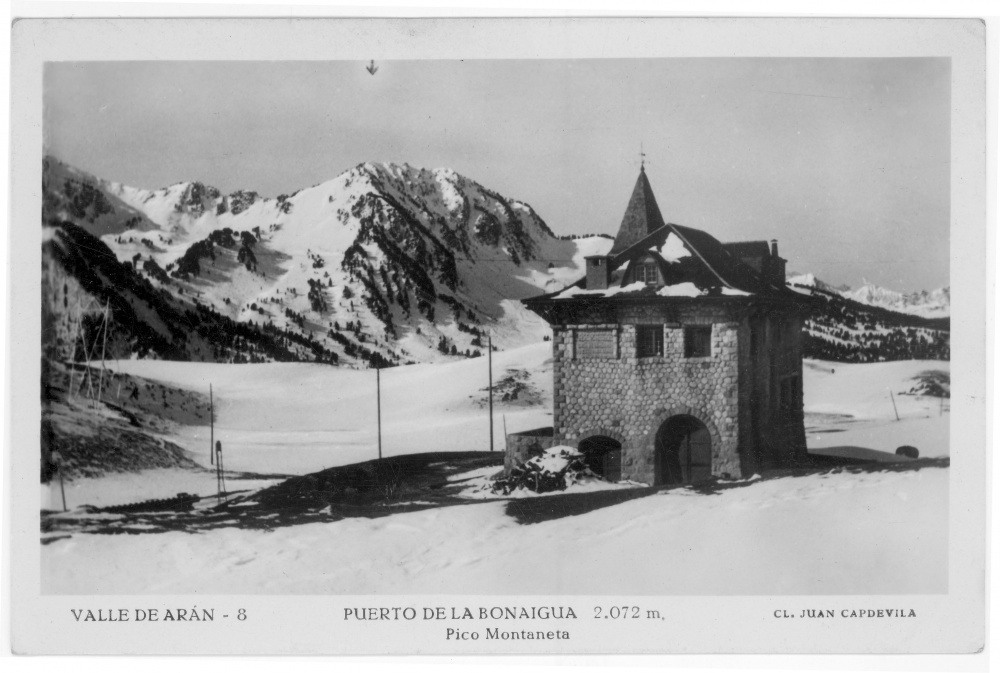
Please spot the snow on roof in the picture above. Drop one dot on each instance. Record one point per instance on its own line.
(673, 249)
(680, 290)
(576, 291)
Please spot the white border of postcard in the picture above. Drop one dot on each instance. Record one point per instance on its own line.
(951, 623)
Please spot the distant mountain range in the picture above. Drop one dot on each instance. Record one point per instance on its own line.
(933, 304)
(384, 264)
(863, 325)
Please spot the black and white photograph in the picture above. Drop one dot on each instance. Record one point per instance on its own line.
(660, 327)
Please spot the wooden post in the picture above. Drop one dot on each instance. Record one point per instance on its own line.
(893, 398)
(378, 403)
(62, 489)
(222, 473)
(211, 423)
(56, 457)
(489, 348)
(218, 470)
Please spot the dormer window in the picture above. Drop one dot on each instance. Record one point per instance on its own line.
(646, 273)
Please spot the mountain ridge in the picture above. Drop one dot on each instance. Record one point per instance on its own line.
(923, 303)
(383, 264)
(410, 263)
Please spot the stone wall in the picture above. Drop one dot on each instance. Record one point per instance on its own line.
(523, 446)
(632, 397)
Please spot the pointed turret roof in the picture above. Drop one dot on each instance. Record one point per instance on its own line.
(642, 216)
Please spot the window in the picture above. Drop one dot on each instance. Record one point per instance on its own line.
(646, 273)
(648, 340)
(698, 341)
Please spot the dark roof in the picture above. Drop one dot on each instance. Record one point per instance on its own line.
(711, 255)
(710, 267)
(715, 269)
(748, 248)
(642, 215)
(727, 268)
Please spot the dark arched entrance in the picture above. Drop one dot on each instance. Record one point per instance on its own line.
(683, 451)
(603, 456)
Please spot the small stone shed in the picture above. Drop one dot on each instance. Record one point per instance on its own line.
(677, 357)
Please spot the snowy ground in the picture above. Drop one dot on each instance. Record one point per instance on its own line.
(299, 418)
(820, 534)
(849, 410)
(842, 532)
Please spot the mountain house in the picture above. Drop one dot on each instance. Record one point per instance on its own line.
(676, 358)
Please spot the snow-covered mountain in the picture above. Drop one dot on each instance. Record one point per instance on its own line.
(384, 264)
(927, 304)
(846, 329)
(933, 304)
(384, 261)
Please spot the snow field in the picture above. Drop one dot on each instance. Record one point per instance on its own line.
(835, 533)
(299, 418)
(868, 533)
(295, 418)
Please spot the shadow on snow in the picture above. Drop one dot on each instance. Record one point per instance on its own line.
(399, 484)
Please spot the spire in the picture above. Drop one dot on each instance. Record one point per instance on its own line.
(642, 215)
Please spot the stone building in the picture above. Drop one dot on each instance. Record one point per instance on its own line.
(676, 357)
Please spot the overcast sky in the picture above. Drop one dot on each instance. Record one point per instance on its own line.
(845, 161)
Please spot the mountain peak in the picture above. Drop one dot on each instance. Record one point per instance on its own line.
(927, 304)
(386, 260)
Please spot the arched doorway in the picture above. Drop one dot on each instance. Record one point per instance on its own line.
(683, 451)
(603, 455)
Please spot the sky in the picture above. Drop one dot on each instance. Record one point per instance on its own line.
(846, 162)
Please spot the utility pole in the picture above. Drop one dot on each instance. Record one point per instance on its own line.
(220, 479)
(378, 402)
(489, 348)
(56, 458)
(211, 425)
(893, 398)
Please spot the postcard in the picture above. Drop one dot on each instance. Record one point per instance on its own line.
(498, 336)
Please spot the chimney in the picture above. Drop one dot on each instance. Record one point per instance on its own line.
(777, 265)
(598, 272)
